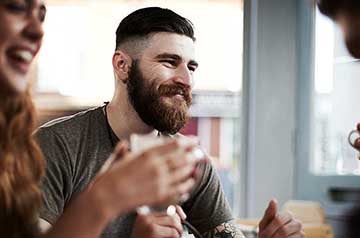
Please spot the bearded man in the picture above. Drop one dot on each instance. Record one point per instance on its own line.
(154, 67)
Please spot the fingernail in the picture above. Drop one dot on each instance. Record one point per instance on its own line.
(171, 210)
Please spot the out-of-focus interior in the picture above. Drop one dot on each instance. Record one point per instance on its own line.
(274, 96)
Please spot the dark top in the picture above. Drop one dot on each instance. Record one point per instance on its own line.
(75, 148)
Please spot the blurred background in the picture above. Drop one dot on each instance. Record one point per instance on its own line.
(274, 100)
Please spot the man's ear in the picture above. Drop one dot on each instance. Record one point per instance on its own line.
(121, 64)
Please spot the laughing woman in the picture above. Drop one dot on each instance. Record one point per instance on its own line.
(22, 165)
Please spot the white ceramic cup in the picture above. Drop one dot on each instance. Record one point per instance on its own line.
(140, 143)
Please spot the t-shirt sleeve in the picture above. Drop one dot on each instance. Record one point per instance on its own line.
(207, 206)
(56, 185)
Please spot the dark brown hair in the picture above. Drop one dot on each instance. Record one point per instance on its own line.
(145, 21)
(21, 167)
(332, 8)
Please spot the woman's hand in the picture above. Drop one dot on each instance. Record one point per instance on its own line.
(158, 176)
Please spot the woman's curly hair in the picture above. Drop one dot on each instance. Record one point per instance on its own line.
(21, 167)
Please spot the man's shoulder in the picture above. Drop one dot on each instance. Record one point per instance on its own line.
(71, 123)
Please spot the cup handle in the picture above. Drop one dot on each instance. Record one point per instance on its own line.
(349, 138)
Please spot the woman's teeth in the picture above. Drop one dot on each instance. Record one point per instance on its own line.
(23, 55)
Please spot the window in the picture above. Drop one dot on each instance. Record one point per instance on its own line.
(335, 94)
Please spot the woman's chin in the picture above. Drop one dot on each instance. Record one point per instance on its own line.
(14, 84)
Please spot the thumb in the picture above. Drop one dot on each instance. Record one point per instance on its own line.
(269, 214)
(180, 212)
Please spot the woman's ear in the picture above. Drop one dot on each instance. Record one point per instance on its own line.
(121, 64)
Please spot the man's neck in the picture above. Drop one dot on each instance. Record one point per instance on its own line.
(124, 120)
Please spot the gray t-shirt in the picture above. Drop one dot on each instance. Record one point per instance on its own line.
(75, 148)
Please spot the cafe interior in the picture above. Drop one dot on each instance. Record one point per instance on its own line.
(273, 100)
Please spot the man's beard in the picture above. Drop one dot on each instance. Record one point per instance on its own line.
(147, 101)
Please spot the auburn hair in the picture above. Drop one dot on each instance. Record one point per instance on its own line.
(21, 167)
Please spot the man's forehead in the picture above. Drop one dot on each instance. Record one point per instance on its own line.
(172, 43)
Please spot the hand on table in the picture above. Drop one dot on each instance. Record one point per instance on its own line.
(279, 225)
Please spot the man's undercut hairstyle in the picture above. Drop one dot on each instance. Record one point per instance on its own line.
(332, 8)
(143, 22)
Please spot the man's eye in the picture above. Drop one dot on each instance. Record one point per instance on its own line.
(192, 68)
(168, 62)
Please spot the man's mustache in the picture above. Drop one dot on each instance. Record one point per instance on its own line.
(169, 90)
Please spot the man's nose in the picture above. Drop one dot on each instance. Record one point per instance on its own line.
(184, 76)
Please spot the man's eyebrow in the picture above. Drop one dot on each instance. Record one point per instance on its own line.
(168, 55)
(175, 57)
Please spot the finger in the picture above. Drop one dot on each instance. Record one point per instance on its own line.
(199, 154)
(171, 146)
(277, 225)
(121, 149)
(291, 228)
(300, 234)
(177, 191)
(180, 175)
(180, 212)
(269, 214)
(184, 198)
(164, 231)
(177, 161)
(167, 147)
(173, 222)
(151, 221)
(106, 166)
